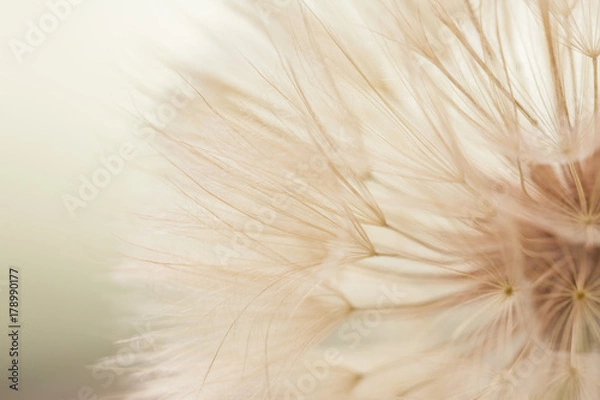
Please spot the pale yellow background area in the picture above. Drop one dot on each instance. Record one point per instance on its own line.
(60, 111)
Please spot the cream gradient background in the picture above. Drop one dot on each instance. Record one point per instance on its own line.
(60, 112)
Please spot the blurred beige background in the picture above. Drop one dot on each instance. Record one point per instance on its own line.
(60, 113)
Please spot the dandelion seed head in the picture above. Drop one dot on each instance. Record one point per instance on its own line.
(398, 199)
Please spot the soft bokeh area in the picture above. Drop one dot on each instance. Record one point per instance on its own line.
(65, 92)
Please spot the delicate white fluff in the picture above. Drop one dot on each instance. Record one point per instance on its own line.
(385, 200)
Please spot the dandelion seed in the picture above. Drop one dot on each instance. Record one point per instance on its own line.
(400, 200)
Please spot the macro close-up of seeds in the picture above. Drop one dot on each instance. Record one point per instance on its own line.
(376, 200)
